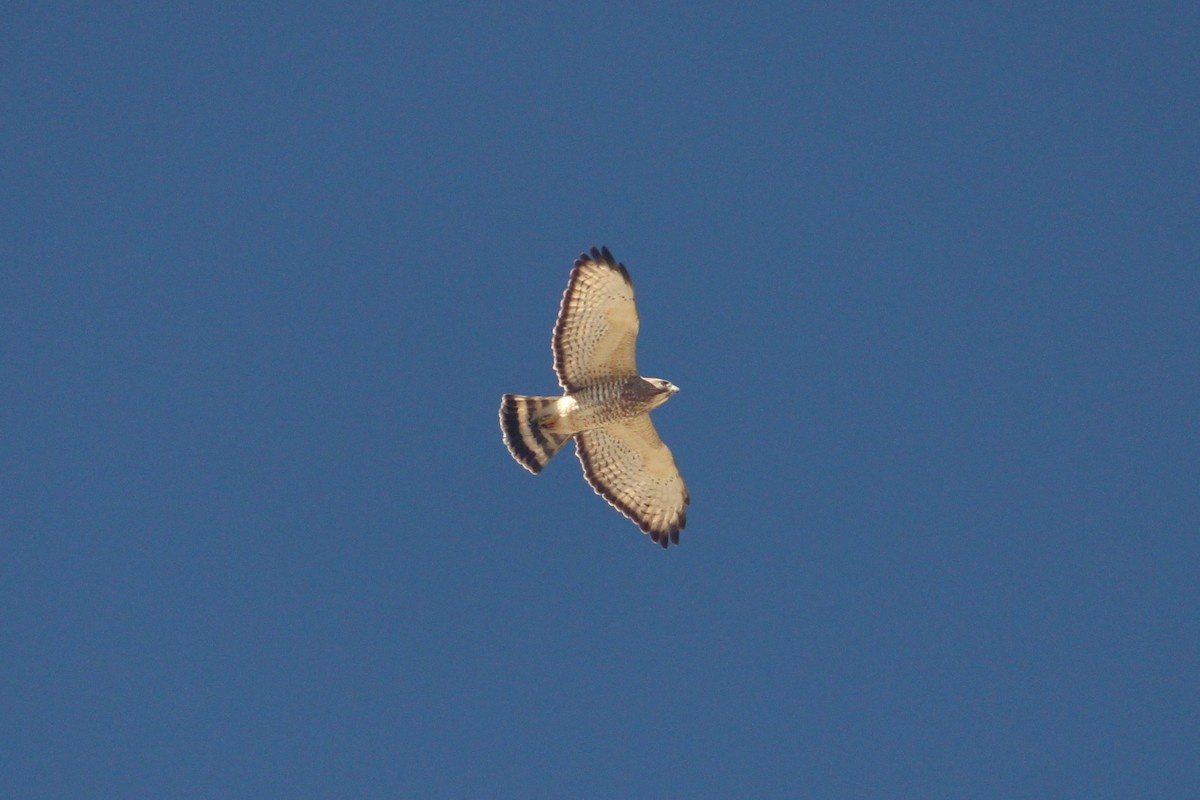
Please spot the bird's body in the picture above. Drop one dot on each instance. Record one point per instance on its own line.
(606, 406)
(598, 404)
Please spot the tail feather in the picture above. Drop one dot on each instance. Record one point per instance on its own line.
(521, 423)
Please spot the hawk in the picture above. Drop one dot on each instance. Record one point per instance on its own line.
(606, 404)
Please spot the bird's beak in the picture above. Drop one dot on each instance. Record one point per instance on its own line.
(672, 388)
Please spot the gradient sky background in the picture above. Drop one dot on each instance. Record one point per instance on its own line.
(929, 279)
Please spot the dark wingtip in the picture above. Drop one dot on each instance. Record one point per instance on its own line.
(602, 255)
(662, 538)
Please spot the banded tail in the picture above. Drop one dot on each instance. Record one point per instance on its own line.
(530, 443)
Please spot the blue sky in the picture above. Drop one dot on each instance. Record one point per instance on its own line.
(927, 277)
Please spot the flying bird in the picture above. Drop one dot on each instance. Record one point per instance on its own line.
(606, 404)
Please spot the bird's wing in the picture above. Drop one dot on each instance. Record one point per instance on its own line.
(629, 466)
(595, 337)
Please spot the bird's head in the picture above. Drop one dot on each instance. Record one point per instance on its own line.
(661, 389)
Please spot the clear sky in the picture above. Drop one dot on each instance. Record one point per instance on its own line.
(928, 278)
